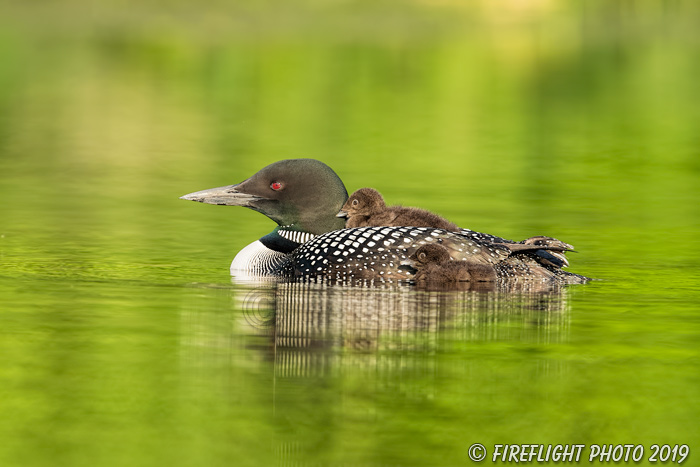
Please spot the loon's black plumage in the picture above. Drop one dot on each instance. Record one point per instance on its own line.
(380, 253)
(304, 195)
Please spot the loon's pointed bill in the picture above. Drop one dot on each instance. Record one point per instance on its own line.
(223, 196)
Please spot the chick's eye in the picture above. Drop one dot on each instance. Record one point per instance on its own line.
(355, 202)
(276, 186)
(421, 256)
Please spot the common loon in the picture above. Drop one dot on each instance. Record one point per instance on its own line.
(434, 264)
(366, 208)
(304, 196)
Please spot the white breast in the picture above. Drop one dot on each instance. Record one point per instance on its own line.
(257, 259)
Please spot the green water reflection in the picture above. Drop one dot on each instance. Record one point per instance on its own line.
(123, 340)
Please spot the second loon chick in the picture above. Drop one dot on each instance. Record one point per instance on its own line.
(433, 264)
(366, 208)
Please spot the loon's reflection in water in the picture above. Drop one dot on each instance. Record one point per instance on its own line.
(322, 358)
(321, 316)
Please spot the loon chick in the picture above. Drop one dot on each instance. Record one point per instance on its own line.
(366, 208)
(433, 264)
(303, 197)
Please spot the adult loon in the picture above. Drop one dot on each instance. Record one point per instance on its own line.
(304, 196)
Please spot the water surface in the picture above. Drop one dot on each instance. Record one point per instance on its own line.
(124, 340)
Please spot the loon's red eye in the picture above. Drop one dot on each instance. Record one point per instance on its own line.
(276, 186)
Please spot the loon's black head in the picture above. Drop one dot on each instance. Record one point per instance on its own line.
(304, 193)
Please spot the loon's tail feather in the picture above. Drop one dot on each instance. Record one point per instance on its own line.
(552, 252)
(550, 242)
(521, 247)
(552, 258)
(545, 250)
